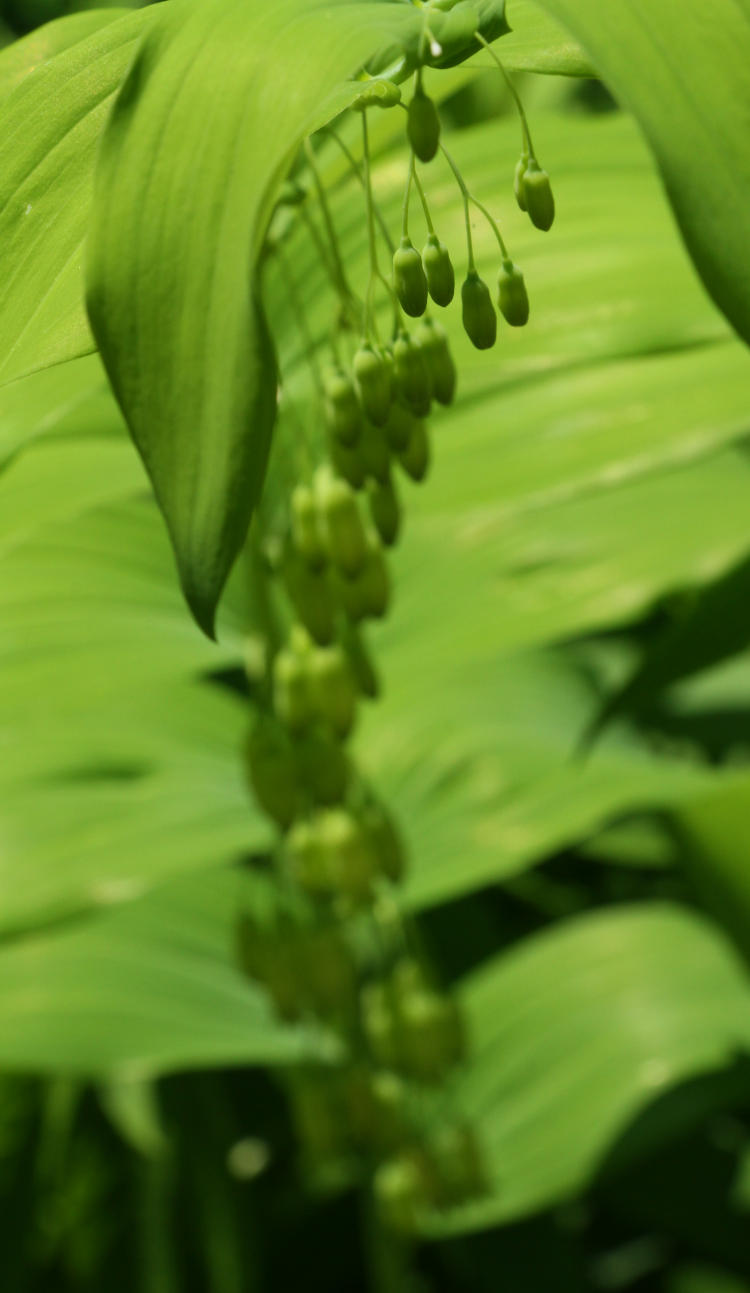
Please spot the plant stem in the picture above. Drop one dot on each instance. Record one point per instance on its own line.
(467, 198)
(423, 198)
(358, 172)
(528, 147)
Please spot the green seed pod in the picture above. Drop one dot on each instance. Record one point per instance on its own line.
(512, 297)
(343, 413)
(333, 688)
(291, 690)
(321, 766)
(385, 510)
(432, 340)
(374, 582)
(537, 191)
(305, 858)
(479, 318)
(441, 280)
(423, 125)
(306, 534)
(349, 855)
(372, 372)
(271, 772)
(374, 453)
(343, 531)
(412, 375)
(347, 463)
(409, 281)
(378, 94)
(518, 179)
(398, 428)
(431, 1037)
(415, 458)
(312, 597)
(379, 1025)
(385, 841)
(359, 659)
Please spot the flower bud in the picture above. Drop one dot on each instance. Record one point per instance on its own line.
(372, 372)
(321, 766)
(518, 178)
(311, 595)
(512, 297)
(343, 413)
(432, 340)
(479, 318)
(374, 453)
(271, 772)
(398, 428)
(441, 280)
(378, 94)
(306, 534)
(291, 690)
(412, 375)
(409, 279)
(385, 510)
(423, 126)
(415, 458)
(343, 531)
(537, 191)
(332, 689)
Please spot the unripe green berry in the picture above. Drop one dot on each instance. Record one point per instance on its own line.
(291, 690)
(432, 340)
(537, 191)
(271, 770)
(423, 126)
(321, 766)
(343, 413)
(441, 280)
(398, 428)
(374, 453)
(306, 534)
(373, 374)
(343, 531)
(415, 458)
(412, 375)
(479, 318)
(512, 297)
(385, 510)
(518, 178)
(409, 281)
(333, 689)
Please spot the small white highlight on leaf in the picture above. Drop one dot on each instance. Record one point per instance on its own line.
(436, 49)
(28, 209)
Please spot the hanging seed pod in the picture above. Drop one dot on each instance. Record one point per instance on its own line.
(385, 509)
(347, 463)
(518, 180)
(321, 766)
(385, 840)
(512, 297)
(305, 859)
(372, 372)
(312, 597)
(342, 410)
(423, 125)
(359, 659)
(374, 453)
(479, 318)
(291, 690)
(378, 94)
(441, 279)
(409, 281)
(306, 534)
(271, 772)
(379, 1025)
(374, 582)
(537, 191)
(432, 339)
(412, 375)
(415, 458)
(343, 531)
(333, 689)
(349, 857)
(399, 426)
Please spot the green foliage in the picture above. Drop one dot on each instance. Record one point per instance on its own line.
(425, 883)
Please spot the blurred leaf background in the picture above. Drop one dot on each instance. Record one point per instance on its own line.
(562, 738)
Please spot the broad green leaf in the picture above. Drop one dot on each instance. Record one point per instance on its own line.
(19, 59)
(575, 1032)
(537, 43)
(143, 991)
(713, 828)
(682, 70)
(49, 130)
(69, 401)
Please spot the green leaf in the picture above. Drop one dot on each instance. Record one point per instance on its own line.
(682, 70)
(575, 1032)
(68, 402)
(713, 829)
(537, 43)
(143, 991)
(49, 130)
(22, 57)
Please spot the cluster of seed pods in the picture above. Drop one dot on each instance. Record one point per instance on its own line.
(339, 852)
